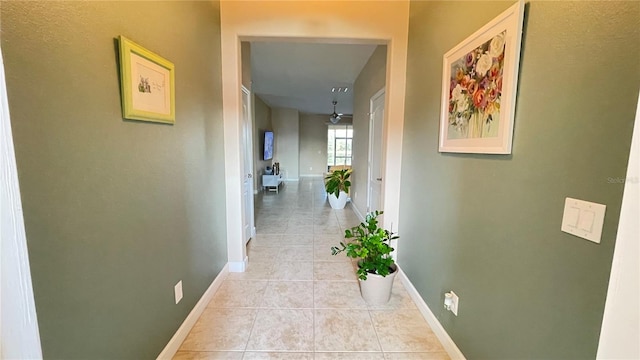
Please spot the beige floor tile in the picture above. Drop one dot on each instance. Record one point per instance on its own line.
(239, 293)
(325, 220)
(256, 270)
(282, 330)
(208, 355)
(400, 298)
(277, 356)
(293, 270)
(271, 229)
(288, 295)
(328, 229)
(299, 229)
(262, 253)
(338, 295)
(350, 356)
(417, 356)
(208, 334)
(404, 330)
(301, 221)
(299, 239)
(266, 240)
(296, 253)
(335, 270)
(344, 330)
(327, 239)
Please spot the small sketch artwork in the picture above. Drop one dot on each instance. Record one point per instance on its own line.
(143, 85)
(475, 91)
(150, 91)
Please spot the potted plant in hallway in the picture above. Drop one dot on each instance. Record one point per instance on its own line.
(337, 185)
(376, 268)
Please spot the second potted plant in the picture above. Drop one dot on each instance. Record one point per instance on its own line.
(376, 268)
(337, 186)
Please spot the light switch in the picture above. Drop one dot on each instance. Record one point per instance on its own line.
(583, 219)
(571, 216)
(586, 220)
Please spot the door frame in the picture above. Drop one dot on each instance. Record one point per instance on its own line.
(378, 94)
(383, 23)
(249, 127)
(19, 331)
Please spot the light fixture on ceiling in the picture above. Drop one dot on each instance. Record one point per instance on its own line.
(339, 89)
(335, 117)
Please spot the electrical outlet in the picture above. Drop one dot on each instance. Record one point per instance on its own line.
(310, 167)
(455, 302)
(177, 291)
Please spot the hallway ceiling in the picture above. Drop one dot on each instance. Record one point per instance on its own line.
(301, 75)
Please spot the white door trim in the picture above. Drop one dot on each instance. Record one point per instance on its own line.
(381, 22)
(621, 319)
(249, 138)
(19, 333)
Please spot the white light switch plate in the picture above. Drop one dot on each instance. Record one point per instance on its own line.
(583, 219)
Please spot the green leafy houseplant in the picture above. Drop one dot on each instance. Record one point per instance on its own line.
(370, 244)
(338, 181)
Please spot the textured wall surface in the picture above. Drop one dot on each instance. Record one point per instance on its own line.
(286, 138)
(370, 80)
(313, 144)
(116, 211)
(487, 226)
(262, 123)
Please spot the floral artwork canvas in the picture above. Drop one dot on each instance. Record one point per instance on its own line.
(475, 91)
(479, 88)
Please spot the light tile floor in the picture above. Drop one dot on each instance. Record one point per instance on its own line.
(297, 301)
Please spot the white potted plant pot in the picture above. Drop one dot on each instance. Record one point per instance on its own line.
(338, 202)
(376, 290)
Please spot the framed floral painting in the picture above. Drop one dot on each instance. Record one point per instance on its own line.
(479, 87)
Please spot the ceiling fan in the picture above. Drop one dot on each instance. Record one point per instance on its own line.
(335, 117)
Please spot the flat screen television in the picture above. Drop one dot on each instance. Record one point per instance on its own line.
(268, 145)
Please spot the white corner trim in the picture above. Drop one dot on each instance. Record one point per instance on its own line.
(441, 333)
(172, 347)
(238, 266)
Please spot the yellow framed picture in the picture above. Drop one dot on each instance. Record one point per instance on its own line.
(148, 84)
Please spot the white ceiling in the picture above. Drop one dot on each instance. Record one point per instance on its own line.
(301, 75)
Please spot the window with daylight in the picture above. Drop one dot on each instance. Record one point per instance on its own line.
(339, 145)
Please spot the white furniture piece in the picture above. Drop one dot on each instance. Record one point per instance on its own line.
(272, 182)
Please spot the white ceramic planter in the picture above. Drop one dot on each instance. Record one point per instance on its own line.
(338, 202)
(376, 290)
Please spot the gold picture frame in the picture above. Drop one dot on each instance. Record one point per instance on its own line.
(147, 82)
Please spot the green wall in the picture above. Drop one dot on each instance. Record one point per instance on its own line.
(488, 226)
(116, 211)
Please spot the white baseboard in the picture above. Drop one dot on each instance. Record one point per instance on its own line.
(172, 347)
(441, 333)
(238, 266)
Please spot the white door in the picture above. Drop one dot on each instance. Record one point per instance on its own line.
(19, 335)
(248, 229)
(376, 126)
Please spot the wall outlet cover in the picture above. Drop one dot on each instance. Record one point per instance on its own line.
(454, 303)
